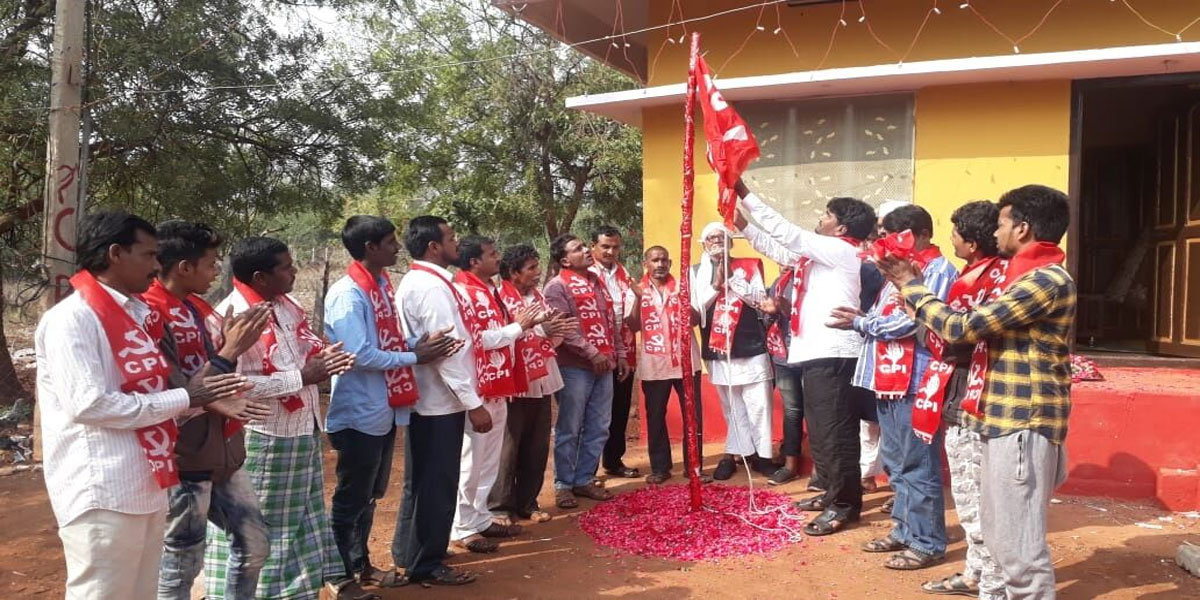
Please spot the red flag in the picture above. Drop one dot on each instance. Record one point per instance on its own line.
(731, 145)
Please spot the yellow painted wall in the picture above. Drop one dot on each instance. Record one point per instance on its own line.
(972, 141)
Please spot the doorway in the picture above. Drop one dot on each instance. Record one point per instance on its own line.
(1137, 263)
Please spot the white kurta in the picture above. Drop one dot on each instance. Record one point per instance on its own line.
(743, 384)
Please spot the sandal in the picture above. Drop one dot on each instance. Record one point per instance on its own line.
(624, 471)
(830, 521)
(593, 492)
(565, 499)
(504, 519)
(444, 575)
(348, 589)
(911, 560)
(383, 579)
(477, 544)
(657, 478)
(954, 585)
(812, 504)
(496, 530)
(884, 544)
(888, 506)
(538, 516)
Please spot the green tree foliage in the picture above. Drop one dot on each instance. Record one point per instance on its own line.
(486, 140)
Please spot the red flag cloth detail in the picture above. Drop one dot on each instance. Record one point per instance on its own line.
(401, 382)
(731, 144)
(143, 369)
(593, 322)
(495, 369)
(315, 344)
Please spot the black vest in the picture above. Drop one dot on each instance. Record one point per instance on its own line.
(749, 339)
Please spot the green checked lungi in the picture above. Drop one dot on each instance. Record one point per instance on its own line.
(287, 475)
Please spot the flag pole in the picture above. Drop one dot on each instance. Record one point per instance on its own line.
(691, 444)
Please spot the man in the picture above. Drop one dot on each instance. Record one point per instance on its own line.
(429, 303)
(107, 415)
(500, 376)
(1021, 405)
(974, 240)
(788, 379)
(831, 269)
(892, 364)
(283, 450)
(211, 448)
(368, 402)
(588, 355)
(606, 250)
(526, 447)
(726, 292)
(659, 322)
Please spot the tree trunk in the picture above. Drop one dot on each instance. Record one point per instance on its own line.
(10, 386)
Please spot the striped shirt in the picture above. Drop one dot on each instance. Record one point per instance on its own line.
(939, 275)
(288, 359)
(92, 456)
(1029, 366)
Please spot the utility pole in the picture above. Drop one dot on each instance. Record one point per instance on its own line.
(63, 198)
(62, 193)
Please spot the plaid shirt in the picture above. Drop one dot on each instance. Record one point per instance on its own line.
(1029, 365)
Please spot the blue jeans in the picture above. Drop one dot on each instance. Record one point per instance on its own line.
(231, 505)
(584, 414)
(915, 473)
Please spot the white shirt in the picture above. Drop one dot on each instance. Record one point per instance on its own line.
(623, 300)
(834, 280)
(92, 456)
(658, 367)
(447, 386)
(285, 381)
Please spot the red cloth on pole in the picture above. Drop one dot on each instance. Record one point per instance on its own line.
(731, 145)
(691, 446)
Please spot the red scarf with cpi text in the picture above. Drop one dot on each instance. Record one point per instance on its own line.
(728, 311)
(270, 342)
(534, 350)
(660, 336)
(894, 358)
(623, 283)
(979, 282)
(144, 370)
(591, 319)
(186, 331)
(401, 383)
(500, 375)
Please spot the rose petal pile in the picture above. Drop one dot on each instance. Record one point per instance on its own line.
(656, 522)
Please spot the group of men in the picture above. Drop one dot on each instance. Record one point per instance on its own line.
(181, 436)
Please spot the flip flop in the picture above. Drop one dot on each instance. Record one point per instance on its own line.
(478, 545)
(538, 516)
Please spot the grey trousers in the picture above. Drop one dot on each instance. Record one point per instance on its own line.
(1020, 472)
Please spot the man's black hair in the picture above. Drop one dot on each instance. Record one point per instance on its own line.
(558, 247)
(976, 222)
(910, 217)
(98, 231)
(184, 240)
(855, 215)
(1045, 209)
(470, 248)
(606, 231)
(360, 230)
(255, 254)
(646, 254)
(515, 258)
(421, 232)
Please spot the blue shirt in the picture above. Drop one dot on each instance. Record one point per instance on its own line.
(359, 397)
(939, 275)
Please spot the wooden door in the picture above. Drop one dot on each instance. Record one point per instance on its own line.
(1176, 240)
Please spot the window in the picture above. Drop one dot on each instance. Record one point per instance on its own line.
(815, 150)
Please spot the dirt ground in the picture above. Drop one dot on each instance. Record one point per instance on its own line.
(1098, 551)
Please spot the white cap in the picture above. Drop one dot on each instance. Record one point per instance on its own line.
(889, 205)
(711, 228)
